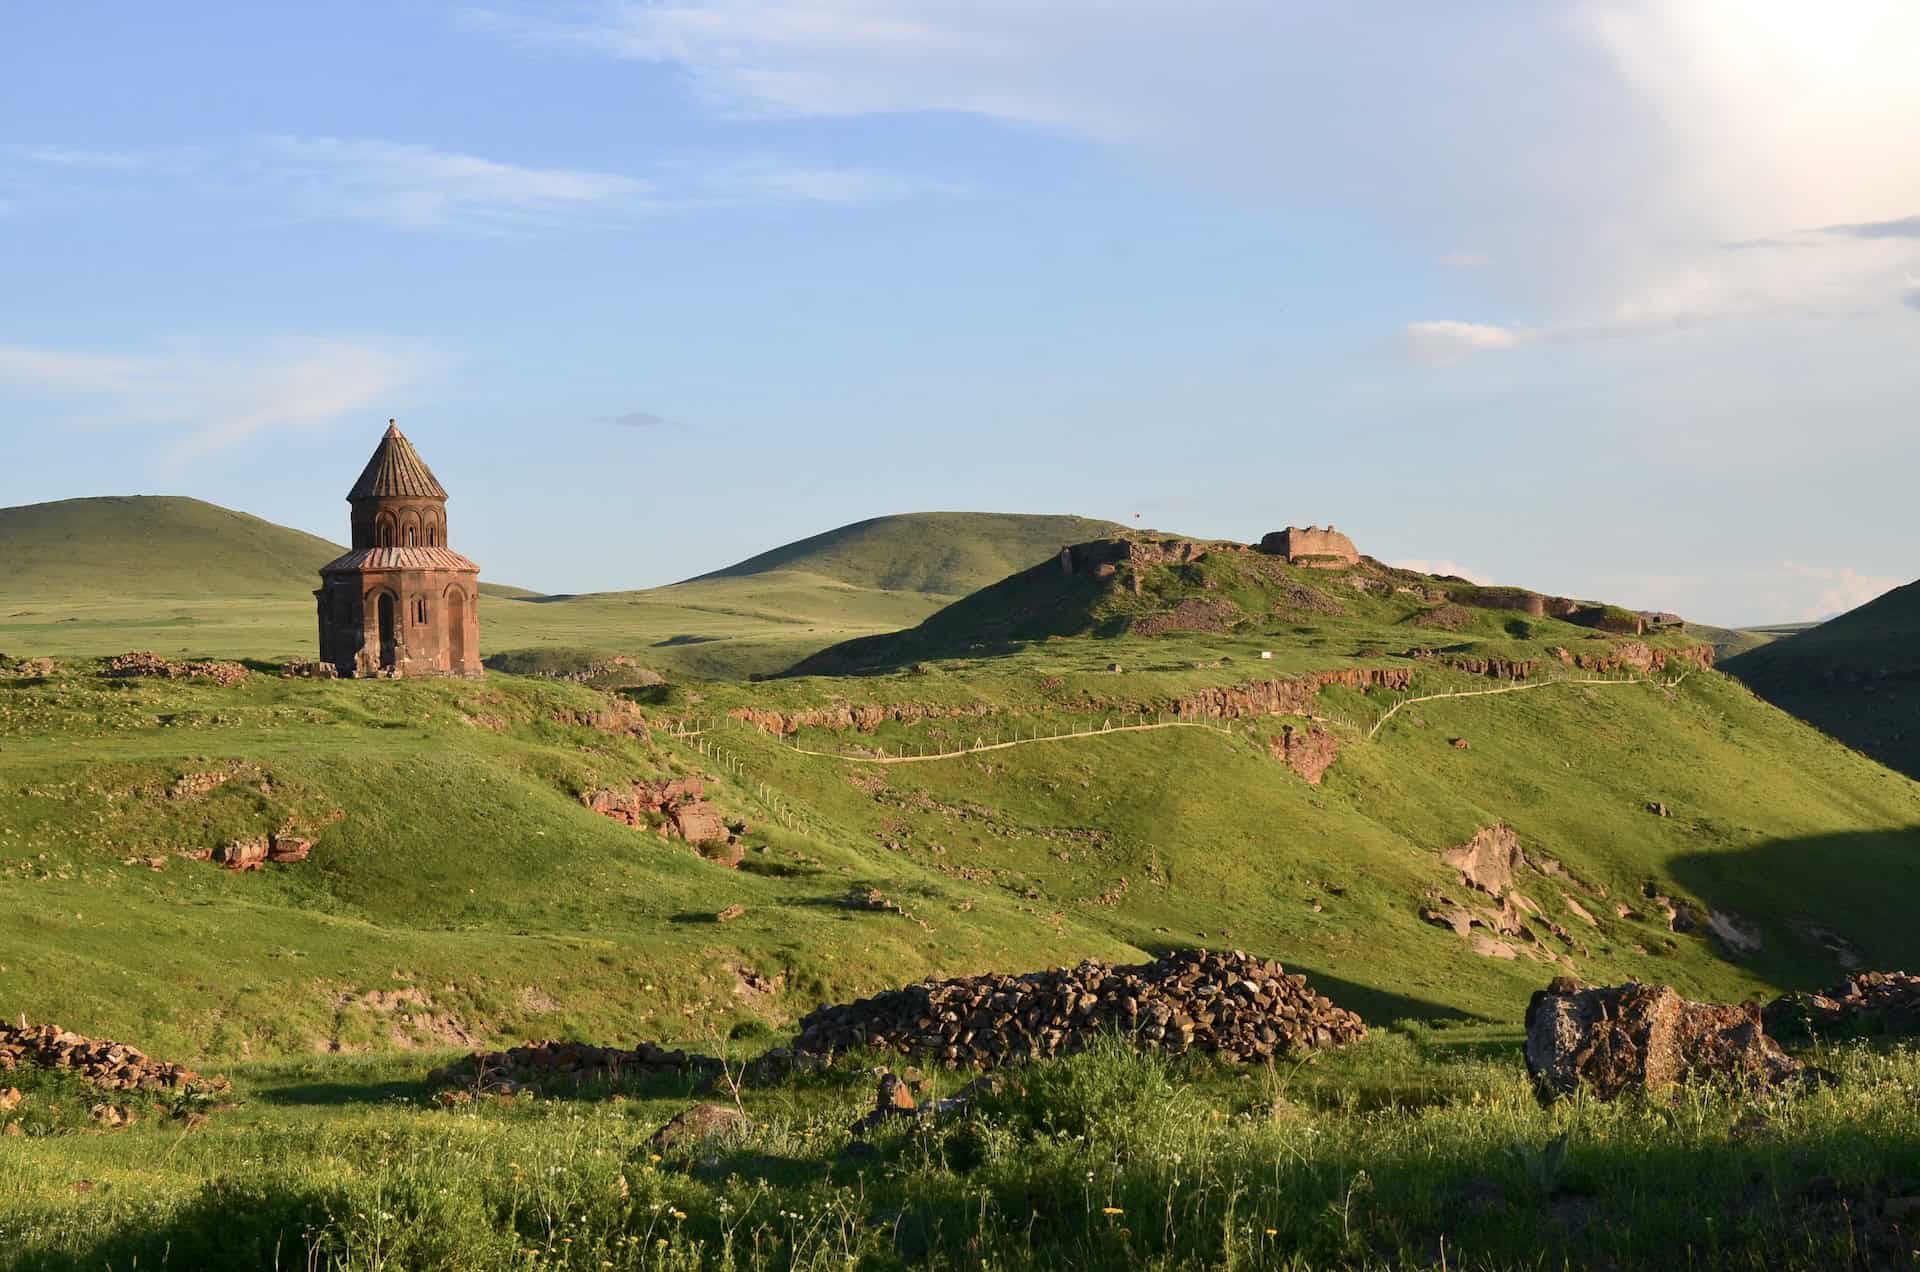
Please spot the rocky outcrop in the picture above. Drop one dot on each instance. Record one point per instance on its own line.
(1293, 696)
(1867, 1003)
(111, 1066)
(1647, 1039)
(1309, 752)
(1238, 1007)
(254, 854)
(26, 668)
(1490, 864)
(547, 1068)
(127, 666)
(639, 803)
(1195, 614)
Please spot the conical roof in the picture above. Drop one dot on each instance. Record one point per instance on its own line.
(396, 471)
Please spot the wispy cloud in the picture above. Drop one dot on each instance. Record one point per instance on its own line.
(74, 157)
(646, 420)
(1445, 340)
(418, 187)
(407, 185)
(213, 398)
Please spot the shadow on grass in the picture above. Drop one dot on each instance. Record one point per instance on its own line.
(1817, 900)
(341, 1094)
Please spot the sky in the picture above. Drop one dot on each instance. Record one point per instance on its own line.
(1611, 298)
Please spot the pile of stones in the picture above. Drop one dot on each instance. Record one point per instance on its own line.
(223, 674)
(547, 1068)
(1239, 1008)
(1866, 1002)
(28, 668)
(111, 1066)
(1612, 1040)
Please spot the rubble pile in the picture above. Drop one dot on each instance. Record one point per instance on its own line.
(224, 674)
(546, 1068)
(111, 1066)
(1867, 1002)
(1238, 1007)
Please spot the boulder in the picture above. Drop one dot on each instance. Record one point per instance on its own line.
(1646, 1038)
(701, 1124)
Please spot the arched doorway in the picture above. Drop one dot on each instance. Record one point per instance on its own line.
(389, 632)
(456, 630)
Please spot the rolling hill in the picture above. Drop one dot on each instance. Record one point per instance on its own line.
(101, 576)
(141, 547)
(1856, 677)
(948, 553)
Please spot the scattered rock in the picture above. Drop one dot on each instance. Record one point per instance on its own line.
(731, 913)
(1646, 1038)
(1459, 744)
(307, 669)
(1658, 810)
(701, 1124)
(10, 1099)
(1737, 935)
(1867, 1002)
(1238, 1007)
(224, 674)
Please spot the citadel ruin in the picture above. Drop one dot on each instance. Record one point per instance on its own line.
(401, 603)
(1323, 549)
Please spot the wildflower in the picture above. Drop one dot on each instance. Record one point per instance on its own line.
(678, 1214)
(1112, 1210)
(1273, 1232)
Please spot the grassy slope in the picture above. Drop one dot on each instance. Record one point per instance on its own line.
(462, 866)
(1856, 676)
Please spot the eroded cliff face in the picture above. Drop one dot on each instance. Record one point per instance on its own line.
(1290, 696)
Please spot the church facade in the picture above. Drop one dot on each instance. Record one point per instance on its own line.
(401, 603)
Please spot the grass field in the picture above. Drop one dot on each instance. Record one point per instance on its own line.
(1422, 1147)
(460, 893)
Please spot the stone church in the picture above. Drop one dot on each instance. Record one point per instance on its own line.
(401, 603)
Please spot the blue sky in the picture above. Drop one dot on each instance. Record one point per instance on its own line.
(1613, 298)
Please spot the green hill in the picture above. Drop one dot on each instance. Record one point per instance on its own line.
(949, 553)
(1856, 677)
(1143, 584)
(141, 547)
(151, 546)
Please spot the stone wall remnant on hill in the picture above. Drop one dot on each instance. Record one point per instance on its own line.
(1312, 546)
(1292, 696)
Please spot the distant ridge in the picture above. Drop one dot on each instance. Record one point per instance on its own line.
(158, 545)
(1856, 677)
(945, 553)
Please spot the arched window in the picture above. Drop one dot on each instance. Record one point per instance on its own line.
(409, 536)
(386, 533)
(420, 611)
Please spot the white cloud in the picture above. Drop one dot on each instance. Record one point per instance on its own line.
(1444, 341)
(1611, 148)
(1453, 568)
(1823, 591)
(214, 398)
